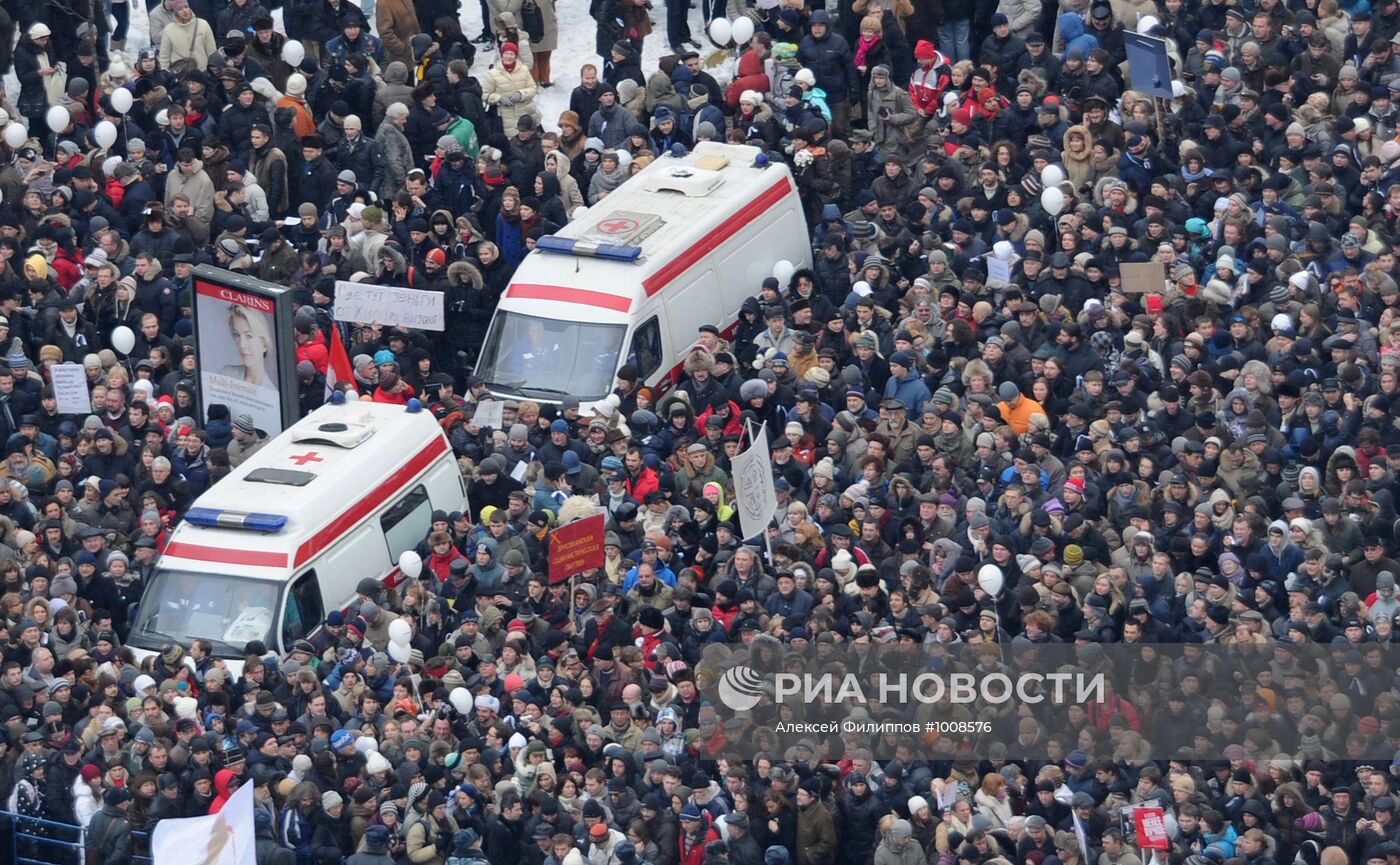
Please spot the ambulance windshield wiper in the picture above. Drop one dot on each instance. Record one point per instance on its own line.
(157, 635)
(548, 390)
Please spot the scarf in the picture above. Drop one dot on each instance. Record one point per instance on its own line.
(863, 46)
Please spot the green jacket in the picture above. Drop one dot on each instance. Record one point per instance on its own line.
(109, 837)
(465, 132)
(816, 836)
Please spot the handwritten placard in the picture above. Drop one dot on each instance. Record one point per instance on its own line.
(70, 389)
(388, 304)
(489, 413)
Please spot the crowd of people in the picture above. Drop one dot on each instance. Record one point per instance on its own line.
(971, 371)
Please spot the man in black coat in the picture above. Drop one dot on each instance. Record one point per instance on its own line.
(138, 193)
(73, 336)
(316, 180)
(494, 487)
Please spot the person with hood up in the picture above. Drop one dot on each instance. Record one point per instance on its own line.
(222, 781)
(751, 76)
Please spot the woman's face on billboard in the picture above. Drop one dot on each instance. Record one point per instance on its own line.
(251, 346)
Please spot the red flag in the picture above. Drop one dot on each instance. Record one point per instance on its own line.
(339, 368)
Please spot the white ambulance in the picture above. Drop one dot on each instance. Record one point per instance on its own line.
(680, 244)
(287, 536)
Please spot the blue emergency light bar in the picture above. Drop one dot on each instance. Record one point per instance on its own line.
(586, 249)
(214, 518)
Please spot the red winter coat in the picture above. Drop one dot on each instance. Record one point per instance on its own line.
(645, 482)
(926, 86)
(115, 192)
(222, 779)
(751, 77)
(67, 267)
(315, 351)
(441, 566)
(731, 426)
(696, 854)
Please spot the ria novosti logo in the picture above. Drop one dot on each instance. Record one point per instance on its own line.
(740, 688)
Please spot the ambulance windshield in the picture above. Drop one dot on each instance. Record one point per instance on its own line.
(181, 606)
(533, 356)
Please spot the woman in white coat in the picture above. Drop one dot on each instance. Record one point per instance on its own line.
(508, 86)
(87, 800)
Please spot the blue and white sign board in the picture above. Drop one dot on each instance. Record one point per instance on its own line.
(1148, 65)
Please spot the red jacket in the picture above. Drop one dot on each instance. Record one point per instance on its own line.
(401, 398)
(315, 351)
(695, 855)
(67, 267)
(751, 77)
(441, 566)
(222, 779)
(731, 426)
(926, 86)
(1100, 711)
(645, 482)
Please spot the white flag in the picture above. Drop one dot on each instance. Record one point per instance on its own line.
(225, 838)
(753, 486)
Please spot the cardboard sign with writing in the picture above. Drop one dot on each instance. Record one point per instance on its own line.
(1144, 277)
(489, 413)
(390, 305)
(70, 389)
(576, 547)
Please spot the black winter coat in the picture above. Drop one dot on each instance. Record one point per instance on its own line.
(831, 61)
(315, 183)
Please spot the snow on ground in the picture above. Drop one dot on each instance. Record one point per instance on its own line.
(577, 33)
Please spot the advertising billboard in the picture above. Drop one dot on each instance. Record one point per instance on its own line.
(244, 348)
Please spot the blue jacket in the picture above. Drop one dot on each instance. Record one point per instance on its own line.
(911, 390)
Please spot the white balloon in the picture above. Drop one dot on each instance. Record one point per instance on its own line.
(399, 652)
(991, 579)
(1053, 200)
(411, 564)
(121, 100)
(1146, 23)
(123, 339)
(58, 118)
(783, 270)
(1052, 175)
(105, 134)
(16, 135)
(721, 31)
(741, 30)
(461, 700)
(293, 53)
(400, 631)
